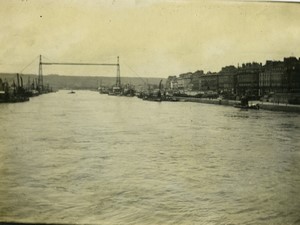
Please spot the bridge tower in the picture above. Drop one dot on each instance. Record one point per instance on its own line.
(118, 81)
(40, 76)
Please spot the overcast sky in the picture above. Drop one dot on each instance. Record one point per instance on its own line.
(153, 38)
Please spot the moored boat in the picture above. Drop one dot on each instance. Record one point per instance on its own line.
(256, 106)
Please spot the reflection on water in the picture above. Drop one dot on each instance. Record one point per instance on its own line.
(91, 158)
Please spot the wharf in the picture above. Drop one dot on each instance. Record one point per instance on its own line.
(209, 101)
(262, 105)
(279, 107)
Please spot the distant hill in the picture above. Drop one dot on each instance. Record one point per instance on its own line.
(82, 82)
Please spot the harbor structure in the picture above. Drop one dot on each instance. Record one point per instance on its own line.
(14, 92)
(274, 81)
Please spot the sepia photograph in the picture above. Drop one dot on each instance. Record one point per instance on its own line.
(149, 112)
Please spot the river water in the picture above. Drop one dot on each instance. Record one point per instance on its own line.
(87, 158)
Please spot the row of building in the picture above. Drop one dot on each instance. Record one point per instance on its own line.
(250, 79)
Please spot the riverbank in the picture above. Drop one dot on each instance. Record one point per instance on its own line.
(208, 101)
(279, 107)
(262, 105)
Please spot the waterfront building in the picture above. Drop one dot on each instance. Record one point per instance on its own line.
(170, 82)
(280, 77)
(196, 80)
(185, 81)
(276, 81)
(181, 83)
(209, 82)
(174, 84)
(280, 80)
(227, 80)
(248, 79)
(271, 78)
(292, 65)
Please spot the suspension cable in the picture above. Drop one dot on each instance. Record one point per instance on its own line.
(135, 73)
(29, 64)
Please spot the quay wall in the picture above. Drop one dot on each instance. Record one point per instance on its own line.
(280, 107)
(262, 105)
(208, 101)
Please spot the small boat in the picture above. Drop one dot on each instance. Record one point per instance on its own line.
(244, 104)
(170, 99)
(151, 98)
(72, 92)
(256, 106)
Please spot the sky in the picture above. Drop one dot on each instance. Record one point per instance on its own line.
(154, 38)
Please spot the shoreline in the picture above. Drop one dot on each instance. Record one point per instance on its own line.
(262, 105)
